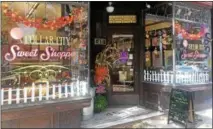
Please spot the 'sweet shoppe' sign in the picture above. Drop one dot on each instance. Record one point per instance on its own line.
(50, 52)
(193, 55)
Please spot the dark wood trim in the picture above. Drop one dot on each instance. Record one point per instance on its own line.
(18, 107)
(130, 97)
(142, 58)
(116, 98)
(64, 113)
(212, 38)
(156, 95)
(30, 111)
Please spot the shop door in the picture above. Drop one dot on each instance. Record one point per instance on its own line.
(123, 88)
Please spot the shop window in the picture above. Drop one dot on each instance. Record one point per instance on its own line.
(43, 42)
(178, 44)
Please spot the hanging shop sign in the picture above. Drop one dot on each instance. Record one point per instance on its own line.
(122, 19)
(193, 55)
(50, 52)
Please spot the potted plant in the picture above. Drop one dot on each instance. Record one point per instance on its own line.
(100, 99)
(88, 112)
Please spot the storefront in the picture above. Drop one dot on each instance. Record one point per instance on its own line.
(166, 46)
(44, 64)
(121, 30)
(178, 52)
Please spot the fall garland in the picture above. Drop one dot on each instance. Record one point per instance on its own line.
(187, 35)
(40, 23)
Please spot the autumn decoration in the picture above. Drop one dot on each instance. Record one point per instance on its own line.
(103, 63)
(41, 23)
(186, 35)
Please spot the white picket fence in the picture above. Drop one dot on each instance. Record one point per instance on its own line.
(43, 93)
(181, 77)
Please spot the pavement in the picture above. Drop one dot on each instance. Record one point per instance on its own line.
(161, 122)
(140, 117)
(119, 115)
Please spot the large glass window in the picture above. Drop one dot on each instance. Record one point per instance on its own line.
(178, 44)
(44, 43)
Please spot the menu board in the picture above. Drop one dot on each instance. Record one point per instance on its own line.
(179, 104)
(193, 46)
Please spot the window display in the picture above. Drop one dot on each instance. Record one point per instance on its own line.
(44, 44)
(193, 49)
(157, 51)
(184, 58)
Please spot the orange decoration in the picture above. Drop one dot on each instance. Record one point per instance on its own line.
(37, 23)
(100, 73)
(186, 35)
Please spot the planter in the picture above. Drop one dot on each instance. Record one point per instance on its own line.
(100, 103)
(88, 112)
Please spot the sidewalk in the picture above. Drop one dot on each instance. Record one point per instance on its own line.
(119, 115)
(161, 122)
(139, 117)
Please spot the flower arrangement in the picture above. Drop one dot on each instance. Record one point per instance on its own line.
(102, 75)
(100, 89)
(101, 72)
(103, 62)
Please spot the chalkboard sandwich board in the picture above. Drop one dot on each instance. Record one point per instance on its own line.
(179, 106)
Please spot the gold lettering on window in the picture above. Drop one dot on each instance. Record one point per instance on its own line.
(122, 19)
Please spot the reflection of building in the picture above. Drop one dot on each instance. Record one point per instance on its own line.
(44, 59)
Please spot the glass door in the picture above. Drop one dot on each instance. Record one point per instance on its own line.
(122, 77)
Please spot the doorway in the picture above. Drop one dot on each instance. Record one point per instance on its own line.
(123, 89)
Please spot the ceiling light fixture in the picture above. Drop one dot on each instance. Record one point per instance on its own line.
(110, 8)
(148, 6)
(170, 4)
